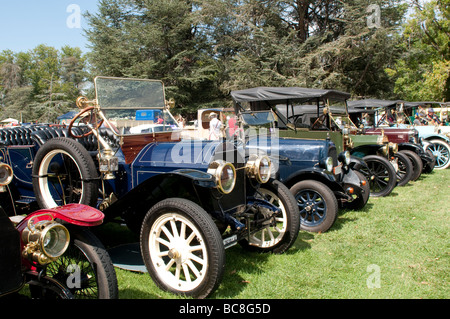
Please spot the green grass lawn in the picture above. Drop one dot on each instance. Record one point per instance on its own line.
(396, 247)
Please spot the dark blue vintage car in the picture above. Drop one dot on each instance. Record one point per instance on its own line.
(189, 200)
(320, 179)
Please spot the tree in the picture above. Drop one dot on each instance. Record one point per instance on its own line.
(154, 39)
(42, 83)
(423, 71)
(324, 44)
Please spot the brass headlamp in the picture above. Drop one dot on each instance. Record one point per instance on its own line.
(45, 240)
(259, 168)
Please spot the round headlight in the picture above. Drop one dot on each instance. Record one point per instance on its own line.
(259, 168)
(393, 147)
(225, 175)
(6, 174)
(344, 158)
(329, 164)
(264, 169)
(44, 240)
(55, 239)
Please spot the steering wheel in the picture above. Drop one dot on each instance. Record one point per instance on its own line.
(319, 120)
(86, 110)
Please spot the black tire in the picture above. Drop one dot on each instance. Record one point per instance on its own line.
(441, 151)
(63, 161)
(317, 205)
(161, 254)
(405, 169)
(361, 201)
(280, 237)
(85, 269)
(416, 163)
(427, 169)
(381, 175)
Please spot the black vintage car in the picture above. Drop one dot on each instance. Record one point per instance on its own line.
(320, 179)
(189, 200)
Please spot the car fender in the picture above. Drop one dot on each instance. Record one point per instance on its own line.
(429, 137)
(364, 150)
(189, 183)
(357, 163)
(313, 173)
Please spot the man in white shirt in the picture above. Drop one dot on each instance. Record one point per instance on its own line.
(215, 127)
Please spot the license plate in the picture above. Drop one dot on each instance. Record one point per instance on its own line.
(338, 169)
(230, 241)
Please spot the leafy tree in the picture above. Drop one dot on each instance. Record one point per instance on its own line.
(154, 39)
(422, 73)
(42, 83)
(325, 44)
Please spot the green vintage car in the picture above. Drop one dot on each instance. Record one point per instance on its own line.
(322, 114)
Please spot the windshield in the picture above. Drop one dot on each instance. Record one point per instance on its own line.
(339, 115)
(129, 93)
(134, 106)
(258, 118)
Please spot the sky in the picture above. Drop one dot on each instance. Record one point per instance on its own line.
(24, 24)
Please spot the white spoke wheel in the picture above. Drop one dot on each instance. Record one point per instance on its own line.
(441, 151)
(64, 173)
(281, 231)
(182, 248)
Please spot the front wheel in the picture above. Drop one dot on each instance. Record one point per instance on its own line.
(317, 205)
(361, 201)
(182, 248)
(441, 151)
(405, 169)
(85, 269)
(381, 175)
(281, 233)
(427, 169)
(416, 162)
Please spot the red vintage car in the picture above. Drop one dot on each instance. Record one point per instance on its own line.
(52, 251)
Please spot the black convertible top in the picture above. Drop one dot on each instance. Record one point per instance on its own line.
(278, 95)
(372, 103)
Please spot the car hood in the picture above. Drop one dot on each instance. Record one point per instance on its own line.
(292, 149)
(185, 154)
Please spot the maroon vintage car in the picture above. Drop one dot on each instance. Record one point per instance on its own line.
(363, 112)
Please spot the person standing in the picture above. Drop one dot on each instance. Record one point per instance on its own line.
(215, 127)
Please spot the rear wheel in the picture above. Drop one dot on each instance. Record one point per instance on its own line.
(380, 174)
(317, 205)
(182, 248)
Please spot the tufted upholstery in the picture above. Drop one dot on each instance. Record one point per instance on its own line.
(39, 134)
(19, 135)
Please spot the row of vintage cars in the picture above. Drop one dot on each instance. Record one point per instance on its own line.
(294, 160)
